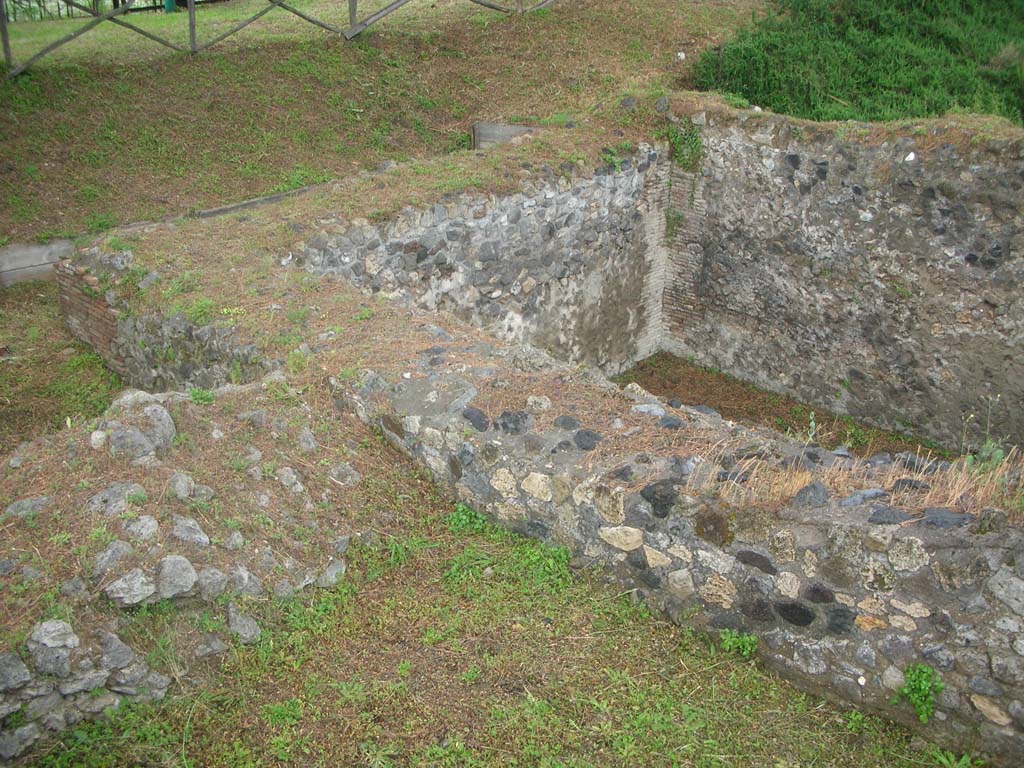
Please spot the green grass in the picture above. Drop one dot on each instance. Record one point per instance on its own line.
(877, 59)
(50, 378)
(526, 665)
(113, 128)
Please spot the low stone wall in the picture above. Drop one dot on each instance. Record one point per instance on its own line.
(843, 593)
(871, 274)
(564, 265)
(152, 352)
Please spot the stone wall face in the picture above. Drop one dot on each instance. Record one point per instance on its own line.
(153, 352)
(844, 594)
(877, 278)
(564, 266)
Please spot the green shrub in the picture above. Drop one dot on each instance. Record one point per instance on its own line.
(876, 59)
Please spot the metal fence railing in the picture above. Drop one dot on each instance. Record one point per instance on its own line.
(98, 12)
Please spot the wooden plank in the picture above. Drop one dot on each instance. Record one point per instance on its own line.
(487, 135)
(353, 12)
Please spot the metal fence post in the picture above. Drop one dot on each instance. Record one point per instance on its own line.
(8, 59)
(192, 25)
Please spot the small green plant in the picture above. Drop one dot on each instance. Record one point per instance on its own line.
(742, 643)
(288, 712)
(921, 683)
(944, 759)
(686, 145)
(298, 361)
(138, 498)
(465, 520)
(200, 396)
(902, 290)
(615, 156)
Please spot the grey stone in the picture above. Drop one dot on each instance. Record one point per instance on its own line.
(143, 528)
(1008, 588)
(307, 443)
(14, 742)
(13, 672)
(795, 612)
(345, 474)
(50, 644)
(212, 583)
(186, 529)
(211, 645)
(162, 431)
(245, 582)
(661, 495)
(332, 573)
(203, 493)
(105, 561)
(567, 422)
(181, 486)
(862, 497)
(54, 634)
(650, 409)
(114, 499)
(882, 515)
(814, 495)
(175, 577)
(234, 541)
(116, 654)
(242, 626)
(85, 680)
(127, 442)
(131, 589)
(26, 507)
(586, 439)
(939, 517)
(514, 422)
(477, 418)
(74, 589)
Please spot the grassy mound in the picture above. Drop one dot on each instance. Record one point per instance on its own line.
(877, 59)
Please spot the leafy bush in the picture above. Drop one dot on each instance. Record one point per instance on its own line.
(877, 59)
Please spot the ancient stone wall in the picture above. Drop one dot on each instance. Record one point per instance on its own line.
(871, 274)
(845, 592)
(152, 352)
(564, 265)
